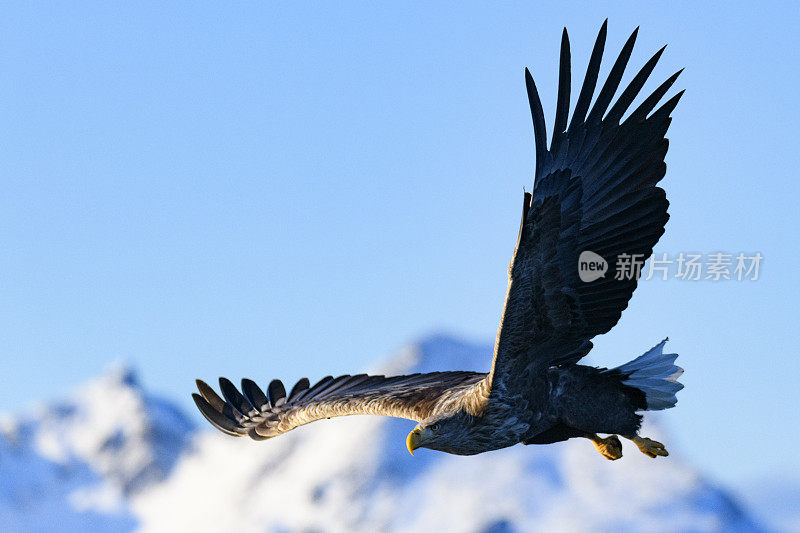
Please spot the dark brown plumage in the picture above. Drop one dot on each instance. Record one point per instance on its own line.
(595, 190)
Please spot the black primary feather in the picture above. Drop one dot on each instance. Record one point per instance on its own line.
(299, 387)
(235, 398)
(590, 80)
(276, 393)
(254, 394)
(612, 82)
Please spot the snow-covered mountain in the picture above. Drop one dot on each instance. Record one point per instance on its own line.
(76, 464)
(114, 458)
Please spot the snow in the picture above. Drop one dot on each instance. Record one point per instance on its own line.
(114, 458)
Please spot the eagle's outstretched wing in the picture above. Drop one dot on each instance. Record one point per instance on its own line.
(263, 415)
(595, 191)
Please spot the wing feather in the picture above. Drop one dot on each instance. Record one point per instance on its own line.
(235, 399)
(211, 397)
(537, 114)
(224, 422)
(633, 88)
(612, 82)
(590, 80)
(254, 394)
(260, 416)
(562, 105)
(298, 388)
(276, 393)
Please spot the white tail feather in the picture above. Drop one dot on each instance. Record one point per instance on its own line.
(655, 374)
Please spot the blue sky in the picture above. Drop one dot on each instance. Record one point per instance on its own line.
(289, 190)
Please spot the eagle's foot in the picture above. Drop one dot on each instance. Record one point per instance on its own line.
(609, 447)
(650, 447)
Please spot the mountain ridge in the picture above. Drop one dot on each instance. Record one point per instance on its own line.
(113, 457)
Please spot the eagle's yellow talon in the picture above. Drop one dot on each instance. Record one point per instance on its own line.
(609, 447)
(650, 447)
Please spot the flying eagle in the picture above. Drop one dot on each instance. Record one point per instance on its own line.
(595, 191)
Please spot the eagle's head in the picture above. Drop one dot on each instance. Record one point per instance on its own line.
(446, 432)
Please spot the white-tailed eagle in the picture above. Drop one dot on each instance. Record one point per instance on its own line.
(595, 190)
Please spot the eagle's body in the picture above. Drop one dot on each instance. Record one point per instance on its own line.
(595, 191)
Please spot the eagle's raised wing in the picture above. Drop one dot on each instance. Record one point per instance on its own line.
(595, 190)
(261, 416)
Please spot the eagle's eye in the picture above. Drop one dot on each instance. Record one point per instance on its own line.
(435, 427)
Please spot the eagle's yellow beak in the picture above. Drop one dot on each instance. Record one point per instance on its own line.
(412, 441)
